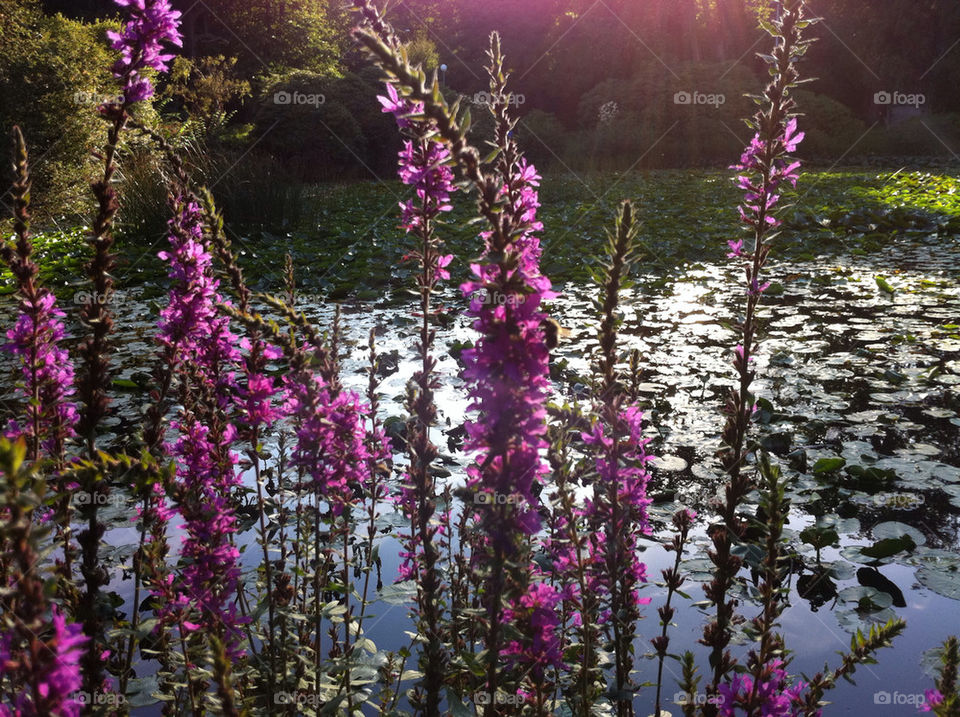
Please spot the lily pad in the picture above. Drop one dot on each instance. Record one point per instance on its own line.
(941, 575)
(867, 598)
(894, 529)
(829, 465)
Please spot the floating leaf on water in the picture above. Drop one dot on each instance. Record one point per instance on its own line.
(873, 578)
(942, 576)
(819, 537)
(669, 464)
(140, 691)
(884, 285)
(868, 599)
(895, 529)
(842, 570)
(888, 547)
(828, 465)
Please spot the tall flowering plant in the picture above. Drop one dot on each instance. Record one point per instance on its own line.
(203, 356)
(150, 25)
(507, 371)
(424, 165)
(508, 379)
(46, 368)
(766, 165)
(616, 517)
(40, 650)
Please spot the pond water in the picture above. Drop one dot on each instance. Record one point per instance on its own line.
(860, 392)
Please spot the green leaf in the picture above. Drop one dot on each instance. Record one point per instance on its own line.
(888, 547)
(885, 286)
(829, 465)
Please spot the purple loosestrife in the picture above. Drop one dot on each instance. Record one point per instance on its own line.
(617, 514)
(944, 700)
(621, 464)
(507, 372)
(47, 671)
(141, 45)
(772, 696)
(673, 580)
(149, 24)
(330, 448)
(40, 652)
(256, 411)
(209, 579)
(50, 417)
(424, 165)
(206, 359)
(508, 379)
(765, 166)
(534, 614)
(47, 374)
(337, 455)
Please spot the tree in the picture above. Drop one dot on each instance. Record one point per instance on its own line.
(268, 34)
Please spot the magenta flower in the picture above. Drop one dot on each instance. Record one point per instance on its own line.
(255, 400)
(205, 355)
(765, 168)
(151, 24)
(191, 322)
(331, 440)
(206, 471)
(774, 697)
(402, 108)
(535, 615)
(933, 698)
(48, 374)
(48, 674)
(507, 372)
(621, 467)
(736, 249)
(424, 164)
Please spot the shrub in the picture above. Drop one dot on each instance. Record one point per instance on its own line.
(831, 126)
(53, 72)
(320, 126)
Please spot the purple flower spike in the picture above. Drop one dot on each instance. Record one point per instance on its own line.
(774, 695)
(47, 371)
(206, 357)
(151, 24)
(48, 671)
(508, 370)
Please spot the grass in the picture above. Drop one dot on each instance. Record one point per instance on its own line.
(348, 243)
